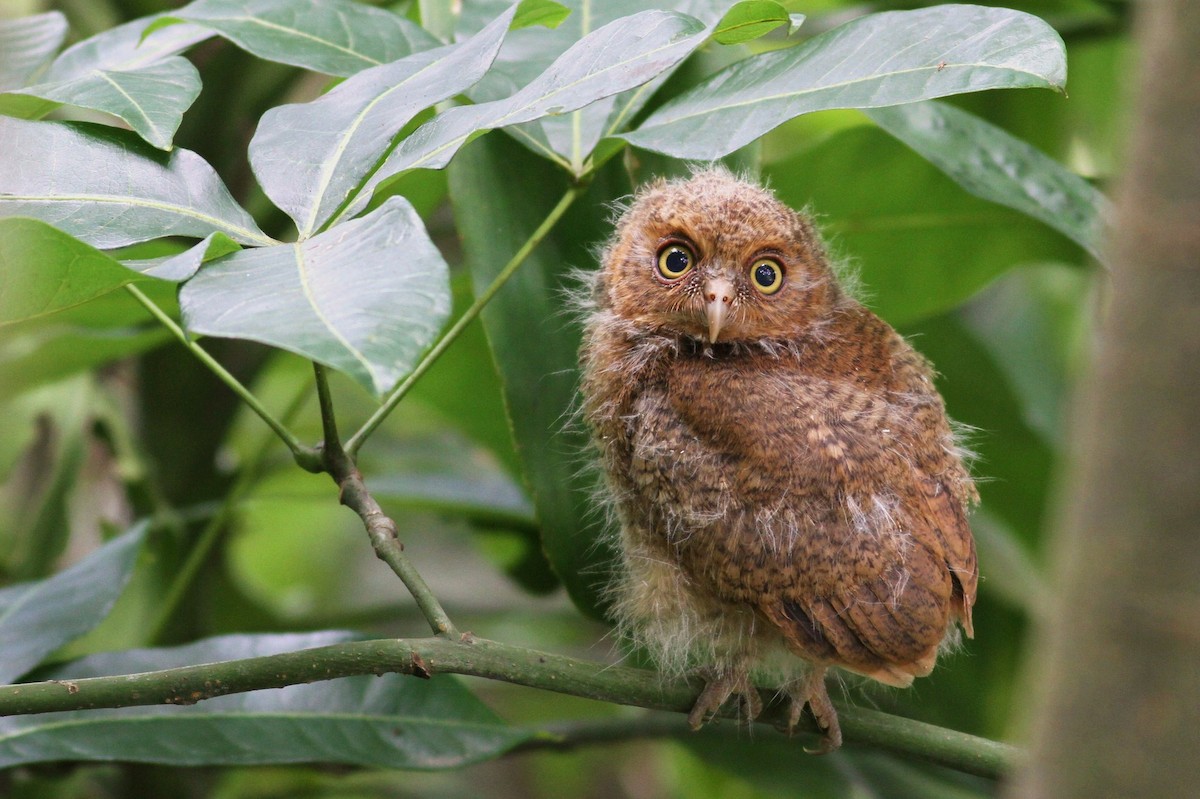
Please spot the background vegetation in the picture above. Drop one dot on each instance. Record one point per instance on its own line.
(111, 425)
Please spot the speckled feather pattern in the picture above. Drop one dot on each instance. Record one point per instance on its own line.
(793, 487)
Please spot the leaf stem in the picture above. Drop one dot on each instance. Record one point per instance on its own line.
(381, 529)
(356, 441)
(305, 456)
(496, 661)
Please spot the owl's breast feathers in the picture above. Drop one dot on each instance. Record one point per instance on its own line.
(819, 484)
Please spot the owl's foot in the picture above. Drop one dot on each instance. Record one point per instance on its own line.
(720, 685)
(811, 691)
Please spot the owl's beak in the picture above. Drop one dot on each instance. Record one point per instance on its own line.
(718, 296)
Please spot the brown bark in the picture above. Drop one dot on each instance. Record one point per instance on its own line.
(1116, 699)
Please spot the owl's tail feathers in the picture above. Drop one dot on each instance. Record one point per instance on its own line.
(865, 638)
(901, 675)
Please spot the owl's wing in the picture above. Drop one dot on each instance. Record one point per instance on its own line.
(889, 623)
(844, 526)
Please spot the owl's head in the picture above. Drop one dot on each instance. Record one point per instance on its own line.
(716, 258)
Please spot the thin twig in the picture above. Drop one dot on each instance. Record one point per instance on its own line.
(356, 440)
(303, 455)
(381, 529)
(496, 661)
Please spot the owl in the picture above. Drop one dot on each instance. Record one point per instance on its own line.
(789, 491)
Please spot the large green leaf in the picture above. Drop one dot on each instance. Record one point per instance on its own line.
(877, 60)
(365, 298)
(37, 618)
(626, 53)
(337, 37)
(309, 157)
(142, 83)
(992, 164)
(27, 45)
(43, 270)
(106, 187)
(568, 138)
(919, 245)
(151, 99)
(501, 193)
(389, 721)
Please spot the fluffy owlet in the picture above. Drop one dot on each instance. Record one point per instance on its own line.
(789, 490)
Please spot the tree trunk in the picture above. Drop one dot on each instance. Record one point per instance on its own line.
(1116, 703)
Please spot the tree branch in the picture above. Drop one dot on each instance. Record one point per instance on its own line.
(496, 661)
(381, 529)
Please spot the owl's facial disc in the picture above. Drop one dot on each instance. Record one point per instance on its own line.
(718, 297)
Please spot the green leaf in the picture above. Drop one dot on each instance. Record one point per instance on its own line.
(540, 13)
(918, 244)
(390, 721)
(750, 19)
(309, 157)
(183, 265)
(366, 298)
(115, 72)
(125, 47)
(37, 618)
(877, 60)
(27, 45)
(992, 164)
(491, 498)
(616, 57)
(43, 270)
(568, 139)
(501, 193)
(151, 99)
(108, 188)
(336, 37)
(1032, 321)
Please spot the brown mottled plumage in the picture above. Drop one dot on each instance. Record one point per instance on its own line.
(789, 490)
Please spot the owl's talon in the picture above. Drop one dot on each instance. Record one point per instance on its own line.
(811, 691)
(719, 686)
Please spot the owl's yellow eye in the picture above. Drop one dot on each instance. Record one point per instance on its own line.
(766, 275)
(674, 261)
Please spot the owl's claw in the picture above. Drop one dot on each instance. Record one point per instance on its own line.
(811, 691)
(719, 686)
